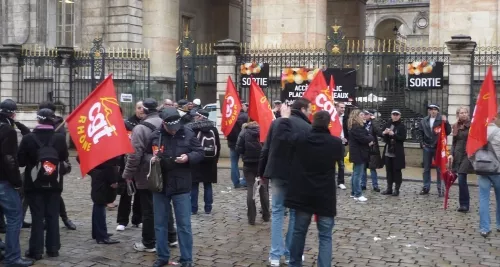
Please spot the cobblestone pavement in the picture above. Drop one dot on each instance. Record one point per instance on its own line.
(409, 230)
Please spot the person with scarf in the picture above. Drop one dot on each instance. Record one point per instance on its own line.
(458, 157)
(394, 135)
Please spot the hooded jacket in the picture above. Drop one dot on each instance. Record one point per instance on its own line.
(137, 164)
(248, 145)
(232, 138)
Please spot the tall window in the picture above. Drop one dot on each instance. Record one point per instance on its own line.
(186, 25)
(65, 22)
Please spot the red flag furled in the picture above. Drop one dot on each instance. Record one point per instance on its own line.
(484, 113)
(321, 97)
(231, 108)
(97, 129)
(259, 109)
(441, 162)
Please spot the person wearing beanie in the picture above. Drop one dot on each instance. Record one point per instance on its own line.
(42, 152)
(10, 182)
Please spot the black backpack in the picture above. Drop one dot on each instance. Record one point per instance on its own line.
(46, 171)
(207, 140)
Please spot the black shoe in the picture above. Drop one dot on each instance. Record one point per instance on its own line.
(2, 245)
(266, 218)
(53, 254)
(20, 263)
(376, 189)
(363, 188)
(135, 225)
(187, 265)
(387, 192)
(69, 224)
(485, 234)
(36, 257)
(26, 225)
(251, 223)
(109, 235)
(424, 191)
(395, 193)
(108, 241)
(160, 263)
(463, 209)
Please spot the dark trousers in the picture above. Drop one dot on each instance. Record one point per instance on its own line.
(148, 224)
(208, 197)
(394, 175)
(62, 209)
(250, 171)
(44, 206)
(463, 190)
(340, 171)
(124, 209)
(99, 229)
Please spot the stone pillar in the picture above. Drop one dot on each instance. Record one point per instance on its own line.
(125, 23)
(161, 35)
(461, 49)
(350, 14)
(11, 73)
(63, 77)
(226, 51)
(282, 22)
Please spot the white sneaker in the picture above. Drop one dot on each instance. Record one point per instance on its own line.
(120, 228)
(361, 199)
(173, 244)
(139, 246)
(342, 186)
(274, 263)
(288, 261)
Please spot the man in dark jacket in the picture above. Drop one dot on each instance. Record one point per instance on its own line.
(311, 188)
(277, 108)
(373, 127)
(206, 171)
(344, 135)
(59, 125)
(274, 164)
(10, 182)
(234, 156)
(122, 218)
(178, 149)
(429, 128)
(43, 187)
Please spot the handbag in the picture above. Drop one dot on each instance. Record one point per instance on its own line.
(155, 177)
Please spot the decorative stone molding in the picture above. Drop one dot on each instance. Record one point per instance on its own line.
(421, 21)
(461, 48)
(227, 47)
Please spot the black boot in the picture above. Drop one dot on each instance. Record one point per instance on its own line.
(424, 191)
(396, 191)
(388, 191)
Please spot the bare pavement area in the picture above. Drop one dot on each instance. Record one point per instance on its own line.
(409, 230)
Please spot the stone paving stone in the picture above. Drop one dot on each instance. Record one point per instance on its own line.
(414, 231)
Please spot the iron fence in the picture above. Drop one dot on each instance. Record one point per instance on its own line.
(483, 57)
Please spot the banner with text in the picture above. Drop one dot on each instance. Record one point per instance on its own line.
(295, 81)
(259, 72)
(423, 75)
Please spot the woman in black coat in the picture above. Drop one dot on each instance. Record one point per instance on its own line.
(360, 141)
(461, 163)
(206, 171)
(394, 135)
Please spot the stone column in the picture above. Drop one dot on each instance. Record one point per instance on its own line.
(226, 51)
(125, 23)
(461, 49)
(11, 73)
(63, 78)
(282, 22)
(161, 35)
(350, 14)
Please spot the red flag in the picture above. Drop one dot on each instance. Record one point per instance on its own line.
(97, 129)
(442, 152)
(231, 108)
(321, 97)
(484, 112)
(259, 109)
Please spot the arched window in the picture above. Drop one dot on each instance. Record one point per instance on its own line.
(65, 13)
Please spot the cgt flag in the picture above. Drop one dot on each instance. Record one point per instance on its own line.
(484, 113)
(321, 98)
(259, 110)
(97, 129)
(231, 108)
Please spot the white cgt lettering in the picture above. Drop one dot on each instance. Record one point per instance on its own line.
(327, 105)
(229, 106)
(98, 126)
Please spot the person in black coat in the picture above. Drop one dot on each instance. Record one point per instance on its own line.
(311, 188)
(43, 195)
(249, 147)
(394, 135)
(344, 135)
(375, 162)
(206, 171)
(359, 151)
(232, 138)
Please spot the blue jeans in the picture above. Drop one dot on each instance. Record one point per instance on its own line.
(207, 197)
(357, 173)
(182, 209)
(10, 202)
(325, 228)
(485, 183)
(428, 155)
(373, 175)
(235, 170)
(279, 249)
(463, 191)
(99, 229)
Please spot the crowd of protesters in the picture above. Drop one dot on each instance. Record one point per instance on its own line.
(300, 160)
